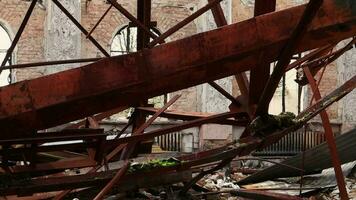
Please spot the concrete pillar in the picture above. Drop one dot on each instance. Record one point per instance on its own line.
(63, 38)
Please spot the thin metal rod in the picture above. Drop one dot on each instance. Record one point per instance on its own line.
(18, 34)
(286, 55)
(225, 93)
(183, 23)
(319, 81)
(329, 138)
(130, 146)
(309, 56)
(123, 11)
(113, 181)
(57, 62)
(98, 22)
(81, 28)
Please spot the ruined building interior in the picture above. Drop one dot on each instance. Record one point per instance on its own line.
(177, 99)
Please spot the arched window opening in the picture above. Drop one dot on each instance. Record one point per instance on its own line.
(125, 40)
(5, 76)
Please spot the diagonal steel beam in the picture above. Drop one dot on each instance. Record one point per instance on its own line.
(224, 93)
(18, 34)
(184, 22)
(100, 19)
(81, 28)
(286, 55)
(329, 138)
(131, 146)
(115, 180)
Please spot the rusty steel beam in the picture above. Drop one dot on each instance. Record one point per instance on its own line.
(115, 180)
(84, 91)
(140, 130)
(329, 138)
(204, 157)
(174, 128)
(181, 115)
(18, 34)
(97, 117)
(80, 27)
(260, 74)
(286, 55)
(310, 56)
(56, 62)
(183, 23)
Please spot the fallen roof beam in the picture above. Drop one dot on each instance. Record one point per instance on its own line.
(81, 92)
(345, 144)
(286, 55)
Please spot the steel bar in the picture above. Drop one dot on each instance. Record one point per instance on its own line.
(18, 34)
(84, 91)
(123, 11)
(173, 128)
(318, 84)
(58, 62)
(286, 55)
(224, 93)
(183, 23)
(139, 131)
(139, 118)
(98, 22)
(98, 117)
(329, 58)
(181, 115)
(80, 27)
(328, 100)
(260, 74)
(54, 137)
(115, 180)
(310, 56)
(329, 138)
(119, 148)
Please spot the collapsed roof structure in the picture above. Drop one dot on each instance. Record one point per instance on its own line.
(112, 84)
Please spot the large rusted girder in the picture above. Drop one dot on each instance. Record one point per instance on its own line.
(124, 80)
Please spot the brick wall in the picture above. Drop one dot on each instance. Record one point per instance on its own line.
(31, 44)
